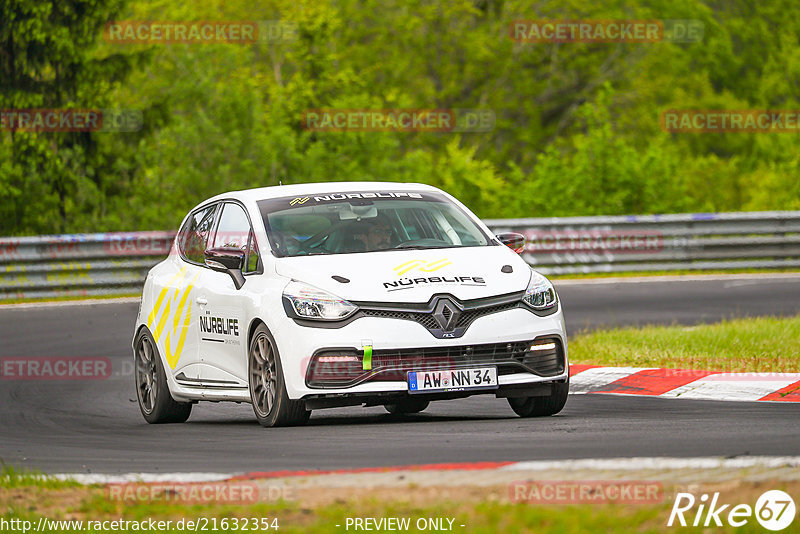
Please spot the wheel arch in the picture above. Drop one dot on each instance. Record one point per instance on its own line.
(137, 332)
(254, 323)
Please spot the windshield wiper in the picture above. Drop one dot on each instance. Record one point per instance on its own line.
(411, 246)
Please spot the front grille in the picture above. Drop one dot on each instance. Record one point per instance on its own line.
(427, 320)
(393, 364)
(470, 315)
(439, 357)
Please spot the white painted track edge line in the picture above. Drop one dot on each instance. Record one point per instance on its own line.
(64, 303)
(671, 278)
(634, 463)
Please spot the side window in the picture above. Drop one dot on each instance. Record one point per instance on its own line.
(233, 231)
(194, 234)
(252, 254)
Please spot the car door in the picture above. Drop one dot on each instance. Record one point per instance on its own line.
(174, 317)
(223, 320)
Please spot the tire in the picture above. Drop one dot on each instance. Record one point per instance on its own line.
(271, 402)
(155, 400)
(541, 406)
(407, 406)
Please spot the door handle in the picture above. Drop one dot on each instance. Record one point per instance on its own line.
(201, 301)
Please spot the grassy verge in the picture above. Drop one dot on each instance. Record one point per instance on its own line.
(11, 478)
(763, 344)
(478, 509)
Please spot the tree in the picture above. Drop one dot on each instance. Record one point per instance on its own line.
(50, 181)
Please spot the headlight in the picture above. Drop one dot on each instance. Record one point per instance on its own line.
(309, 302)
(540, 294)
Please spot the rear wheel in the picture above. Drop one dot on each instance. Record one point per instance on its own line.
(155, 400)
(271, 402)
(407, 406)
(542, 406)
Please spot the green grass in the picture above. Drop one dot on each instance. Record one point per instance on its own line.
(481, 517)
(485, 515)
(11, 478)
(30, 496)
(764, 344)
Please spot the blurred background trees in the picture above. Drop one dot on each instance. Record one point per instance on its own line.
(577, 129)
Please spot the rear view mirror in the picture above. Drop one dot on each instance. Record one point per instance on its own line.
(350, 212)
(227, 260)
(512, 240)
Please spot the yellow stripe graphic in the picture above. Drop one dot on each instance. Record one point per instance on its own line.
(409, 264)
(182, 304)
(160, 299)
(427, 267)
(435, 266)
(162, 321)
(173, 357)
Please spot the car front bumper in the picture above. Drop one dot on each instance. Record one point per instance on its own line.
(297, 344)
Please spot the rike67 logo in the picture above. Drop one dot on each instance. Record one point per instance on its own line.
(774, 510)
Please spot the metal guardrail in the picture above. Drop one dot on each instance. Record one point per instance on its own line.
(696, 241)
(79, 264)
(117, 263)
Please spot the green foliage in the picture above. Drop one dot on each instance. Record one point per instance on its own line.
(56, 182)
(15, 478)
(577, 129)
(737, 345)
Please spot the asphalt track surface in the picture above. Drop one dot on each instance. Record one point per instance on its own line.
(96, 427)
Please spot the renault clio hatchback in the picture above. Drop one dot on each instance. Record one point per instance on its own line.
(302, 297)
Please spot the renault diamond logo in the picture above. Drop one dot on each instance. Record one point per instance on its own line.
(446, 314)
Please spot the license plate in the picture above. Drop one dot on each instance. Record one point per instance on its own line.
(452, 380)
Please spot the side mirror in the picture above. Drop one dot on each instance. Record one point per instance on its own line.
(512, 240)
(227, 260)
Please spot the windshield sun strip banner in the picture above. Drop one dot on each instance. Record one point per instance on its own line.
(272, 206)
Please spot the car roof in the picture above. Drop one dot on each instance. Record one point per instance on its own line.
(320, 188)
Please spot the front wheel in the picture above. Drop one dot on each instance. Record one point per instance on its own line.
(271, 402)
(155, 400)
(541, 406)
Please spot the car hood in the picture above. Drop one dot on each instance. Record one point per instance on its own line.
(412, 275)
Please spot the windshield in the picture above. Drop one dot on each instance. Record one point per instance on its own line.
(345, 223)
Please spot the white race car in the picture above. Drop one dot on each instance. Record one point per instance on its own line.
(301, 297)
